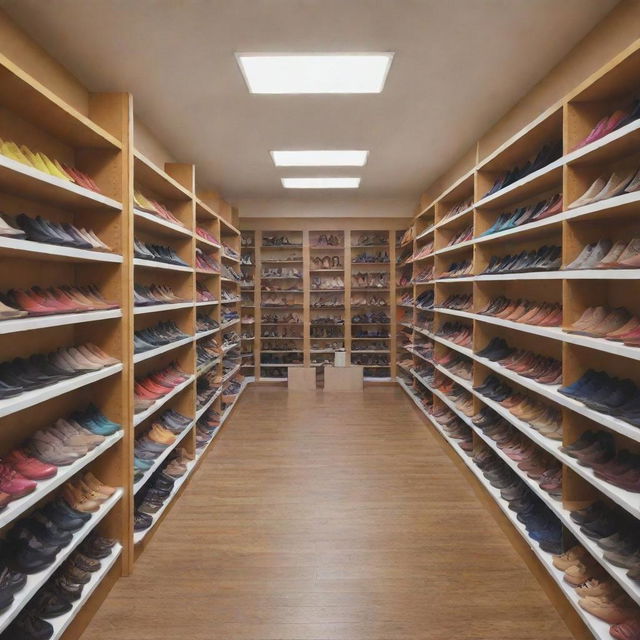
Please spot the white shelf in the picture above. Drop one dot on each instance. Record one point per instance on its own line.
(36, 580)
(460, 214)
(158, 225)
(44, 487)
(207, 303)
(156, 308)
(226, 325)
(31, 398)
(208, 243)
(140, 417)
(26, 181)
(57, 320)
(538, 224)
(597, 145)
(61, 623)
(145, 355)
(161, 458)
(455, 247)
(43, 251)
(139, 536)
(152, 264)
(204, 334)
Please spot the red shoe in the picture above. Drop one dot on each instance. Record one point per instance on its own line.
(14, 483)
(29, 467)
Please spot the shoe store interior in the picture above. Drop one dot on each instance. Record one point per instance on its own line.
(319, 319)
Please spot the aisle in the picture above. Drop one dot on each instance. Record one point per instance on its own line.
(322, 518)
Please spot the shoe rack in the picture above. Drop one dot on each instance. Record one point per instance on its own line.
(445, 375)
(101, 144)
(327, 296)
(248, 305)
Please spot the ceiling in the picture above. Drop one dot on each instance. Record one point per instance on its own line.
(458, 66)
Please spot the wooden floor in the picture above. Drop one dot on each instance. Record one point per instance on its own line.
(335, 517)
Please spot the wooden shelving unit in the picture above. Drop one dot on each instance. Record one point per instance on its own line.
(458, 228)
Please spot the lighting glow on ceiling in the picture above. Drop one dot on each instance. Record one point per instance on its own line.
(320, 158)
(315, 72)
(320, 183)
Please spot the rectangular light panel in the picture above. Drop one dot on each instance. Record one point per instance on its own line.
(320, 158)
(315, 72)
(320, 183)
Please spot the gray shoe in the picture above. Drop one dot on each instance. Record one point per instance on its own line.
(613, 255)
(584, 256)
(591, 192)
(615, 186)
(601, 249)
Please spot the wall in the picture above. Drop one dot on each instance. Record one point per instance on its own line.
(617, 31)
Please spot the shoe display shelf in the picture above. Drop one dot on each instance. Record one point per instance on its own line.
(250, 302)
(463, 296)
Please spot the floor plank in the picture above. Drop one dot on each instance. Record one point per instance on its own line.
(328, 517)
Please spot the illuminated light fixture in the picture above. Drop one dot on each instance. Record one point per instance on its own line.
(320, 183)
(315, 72)
(320, 158)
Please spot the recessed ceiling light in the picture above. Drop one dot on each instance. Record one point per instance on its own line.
(320, 158)
(320, 183)
(315, 72)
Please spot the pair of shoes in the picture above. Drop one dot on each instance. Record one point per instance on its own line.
(422, 253)
(149, 389)
(457, 333)
(205, 235)
(154, 294)
(206, 262)
(203, 294)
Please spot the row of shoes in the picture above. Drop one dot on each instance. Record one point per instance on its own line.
(457, 302)
(423, 369)
(206, 426)
(326, 240)
(618, 397)
(597, 449)
(279, 241)
(281, 318)
(246, 319)
(423, 350)
(327, 332)
(617, 325)
(247, 281)
(274, 372)
(549, 153)
(18, 303)
(457, 208)
(156, 440)
(423, 252)
(407, 237)
(540, 522)
(229, 315)
(230, 252)
(326, 262)
(419, 393)
(62, 234)
(157, 336)
(605, 187)
(280, 301)
(540, 314)
(404, 257)
(230, 362)
(292, 257)
(207, 386)
(380, 257)
(152, 497)
(525, 215)
(618, 119)
(404, 278)
(369, 359)
(371, 240)
(231, 391)
(230, 339)
(604, 254)
(463, 235)
(369, 301)
(457, 364)
(229, 272)
(60, 444)
(282, 272)
(154, 294)
(155, 208)
(329, 319)
(290, 358)
(21, 375)
(60, 592)
(457, 269)
(454, 427)
(456, 332)
(327, 346)
(546, 258)
(542, 369)
(327, 302)
(247, 260)
(228, 295)
(544, 418)
(154, 386)
(247, 240)
(208, 352)
(425, 300)
(459, 396)
(40, 161)
(327, 283)
(370, 346)
(206, 323)
(423, 321)
(203, 294)
(371, 317)
(424, 275)
(536, 463)
(157, 253)
(378, 332)
(280, 346)
(206, 262)
(205, 235)
(371, 280)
